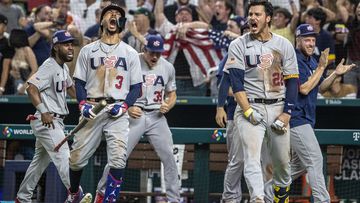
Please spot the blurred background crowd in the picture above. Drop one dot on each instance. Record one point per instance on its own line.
(197, 34)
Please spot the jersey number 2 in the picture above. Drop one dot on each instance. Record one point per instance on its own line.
(120, 81)
(278, 79)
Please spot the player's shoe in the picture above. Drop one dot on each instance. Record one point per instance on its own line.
(75, 197)
(87, 198)
(99, 198)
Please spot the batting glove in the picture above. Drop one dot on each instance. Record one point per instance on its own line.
(253, 116)
(117, 110)
(86, 110)
(278, 127)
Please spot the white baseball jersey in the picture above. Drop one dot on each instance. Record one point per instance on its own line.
(52, 80)
(265, 64)
(156, 81)
(108, 70)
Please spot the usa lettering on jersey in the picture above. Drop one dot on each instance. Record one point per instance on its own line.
(109, 62)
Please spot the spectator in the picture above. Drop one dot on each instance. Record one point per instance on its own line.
(148, 4)
(39, 33)
(139, 28)
(64, 14)
(310, 4)
(340, 90)
(287, 4)
(240, 8)
(14, 13)
(23, 64)
(191, 58)
(92, 33)
(6, 53)
(86, 10)
(317, 18)
(353, 43)
(284, 24)
(218, 19)
(170, 10)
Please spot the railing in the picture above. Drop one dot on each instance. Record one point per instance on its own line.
(192, 100)
(201, 138)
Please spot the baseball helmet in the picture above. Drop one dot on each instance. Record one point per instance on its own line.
(121, 21)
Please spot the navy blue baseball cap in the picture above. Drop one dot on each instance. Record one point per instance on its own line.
(155, 43)
(61, 36)
(305, 30)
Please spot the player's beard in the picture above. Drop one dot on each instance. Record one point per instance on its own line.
(64, 56)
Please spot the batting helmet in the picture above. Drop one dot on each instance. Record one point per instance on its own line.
(121, 20)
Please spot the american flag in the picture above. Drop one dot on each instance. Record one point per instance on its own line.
(198, 49)
(220, 41)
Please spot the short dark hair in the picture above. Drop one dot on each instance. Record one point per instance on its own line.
(39, 8)
(269, 9)
(318, 14)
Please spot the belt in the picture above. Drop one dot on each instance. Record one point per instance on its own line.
(108, 100)
(149, 110)
(265, 101)
(58, 115)
(146, 110)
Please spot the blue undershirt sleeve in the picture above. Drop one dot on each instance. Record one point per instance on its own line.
(292, 89)
(223, 89)
(133, 94)
(80, 90)
(237, 79)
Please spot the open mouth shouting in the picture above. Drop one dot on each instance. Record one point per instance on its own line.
(153, 61)
(112, 23)
(253, 26)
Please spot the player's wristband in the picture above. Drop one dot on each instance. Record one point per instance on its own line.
(125, 106)
(248, 112)
(41, 108)
(81, 103)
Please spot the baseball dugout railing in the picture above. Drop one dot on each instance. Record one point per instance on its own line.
(204, 161)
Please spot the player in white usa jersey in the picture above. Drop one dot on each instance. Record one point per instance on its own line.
(106, 69)
(147, 114)
(259, 63)
(47, 90)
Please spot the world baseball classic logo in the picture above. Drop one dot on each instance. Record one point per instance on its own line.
(8, 132)
(217, 135)
(356, 136)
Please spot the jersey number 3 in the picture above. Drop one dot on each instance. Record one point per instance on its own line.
(120, 81)
(158, 96)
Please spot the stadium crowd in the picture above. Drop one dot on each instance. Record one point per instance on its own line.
(197, 34)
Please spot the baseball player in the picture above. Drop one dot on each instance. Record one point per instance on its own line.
(306, 152)
(47, 91)
(232, 179)
(147, 114)
(263, 73)
(106, 69)
(234, 169)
